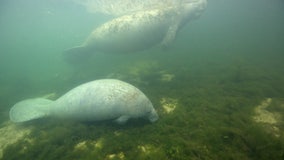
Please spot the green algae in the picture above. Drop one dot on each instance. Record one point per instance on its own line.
(212, 119)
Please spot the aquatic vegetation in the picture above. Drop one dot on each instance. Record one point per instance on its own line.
(204, 114)
(270, 119)
(11, 134)
(168, 104)
(264, 116)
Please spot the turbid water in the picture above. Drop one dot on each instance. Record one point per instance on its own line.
(218, 88)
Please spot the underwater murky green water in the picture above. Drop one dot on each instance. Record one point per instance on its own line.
(218, 88)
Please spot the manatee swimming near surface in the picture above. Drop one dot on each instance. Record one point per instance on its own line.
(137, 31)
(104, 99)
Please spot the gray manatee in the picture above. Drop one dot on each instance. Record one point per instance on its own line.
(104, 99)
(138, 31)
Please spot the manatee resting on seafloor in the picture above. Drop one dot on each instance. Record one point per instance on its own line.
(137, 31)
(98, 100)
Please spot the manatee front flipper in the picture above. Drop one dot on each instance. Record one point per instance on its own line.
(30, 109)
(78, 54)
(170, 36)
(122, 119)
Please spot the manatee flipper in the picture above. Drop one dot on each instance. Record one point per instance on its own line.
(78, 54)
(122, 119)
(30, 109)
(170, 36)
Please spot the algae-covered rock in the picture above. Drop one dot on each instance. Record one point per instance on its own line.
(268, 119)
(168, 104)
(11, 134)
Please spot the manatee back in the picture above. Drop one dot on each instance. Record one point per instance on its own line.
(30, 109)
(103, 100)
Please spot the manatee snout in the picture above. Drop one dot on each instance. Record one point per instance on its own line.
(152, 116)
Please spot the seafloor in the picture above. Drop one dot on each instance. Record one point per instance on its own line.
(220, 107)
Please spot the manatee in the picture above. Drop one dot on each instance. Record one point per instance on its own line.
(137, 31)
(105, 99)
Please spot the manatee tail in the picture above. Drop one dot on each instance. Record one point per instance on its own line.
(79, 54)
(30, 109)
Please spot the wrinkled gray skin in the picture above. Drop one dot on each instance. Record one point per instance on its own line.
(137, 31)
(104, 100)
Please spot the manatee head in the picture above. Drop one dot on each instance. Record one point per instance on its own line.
(149, 111)
(138, 105)
(152, 115)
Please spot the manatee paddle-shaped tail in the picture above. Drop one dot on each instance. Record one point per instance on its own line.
(30, 109)
(78, 54)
